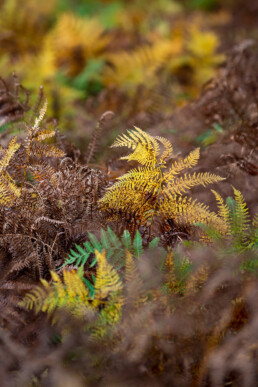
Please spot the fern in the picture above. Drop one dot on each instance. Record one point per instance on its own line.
(241, 233)
(130, 69)
(177, 271)
(72, 293)
(70, 44)
(8, 189)
(114, 247)
(153, 190)
(33, 142)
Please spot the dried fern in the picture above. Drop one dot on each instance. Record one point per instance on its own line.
(8, 189)
(33, 143)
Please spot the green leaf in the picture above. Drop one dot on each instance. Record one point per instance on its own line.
(89, 248)
(104, 239)
(95, 243)
(138, 249)
(113, 238)
(154, 243)
(90, 286)
(126, 240)
(93, 262)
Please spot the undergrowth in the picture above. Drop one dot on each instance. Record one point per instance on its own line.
(124, 268)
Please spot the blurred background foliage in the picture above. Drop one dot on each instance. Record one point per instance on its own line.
(152, 55)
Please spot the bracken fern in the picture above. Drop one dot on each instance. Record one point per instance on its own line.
(154, 189)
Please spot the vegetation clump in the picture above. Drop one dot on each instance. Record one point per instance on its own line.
(123, 268)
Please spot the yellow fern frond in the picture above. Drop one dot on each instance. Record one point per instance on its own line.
(146, 147)
(147, 191)
(38, 120)
(130, 69)
(75, 287)
(188, 162)
(44, 134)
(184, 210)
(8, 154)
(108, 293)
(107, 279)
(170, 276)
(75, 40)
(181, 184)
(197, 279)
(168, 149)
(8, 189)
(70, 293)
(223, 208)
(33, 145)
(58, 285)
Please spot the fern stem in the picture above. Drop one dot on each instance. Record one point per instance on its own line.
(26, 165)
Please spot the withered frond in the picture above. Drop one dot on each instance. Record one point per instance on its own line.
(133, 282)
(14, 100)
(9, 153)
(33, 145)
(8, 189)
(95, 136)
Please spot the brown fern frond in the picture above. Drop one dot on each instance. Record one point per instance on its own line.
(108, 115)
(170, 276)
(33, 145)
(14, 101)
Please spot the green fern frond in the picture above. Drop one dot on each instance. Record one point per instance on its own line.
(115, 248)
(240, 232)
